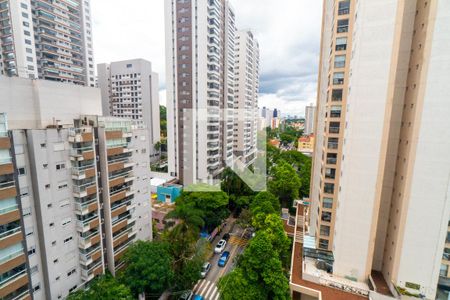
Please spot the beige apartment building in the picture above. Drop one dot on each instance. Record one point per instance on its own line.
(376, 223)
(73, 188)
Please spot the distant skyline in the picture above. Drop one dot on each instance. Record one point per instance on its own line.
(288, 34)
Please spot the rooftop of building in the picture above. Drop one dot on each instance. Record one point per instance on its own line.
(297, 280)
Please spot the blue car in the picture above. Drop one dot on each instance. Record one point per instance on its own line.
(223, 259)
(198, 297)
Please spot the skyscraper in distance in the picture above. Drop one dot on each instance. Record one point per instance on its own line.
(310, 112)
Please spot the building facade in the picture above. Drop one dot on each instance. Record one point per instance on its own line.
(130, 90)
(47, 40)
(379, 170)
(80, 181)
(200, 80)
(246, 96)
(310, 111)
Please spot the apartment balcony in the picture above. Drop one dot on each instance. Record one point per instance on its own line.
(9, 214)
(84, 172)
(90, 273)
(88, 241)
(333, 145)
(11, 284)
(119, 163)
(91, 256)
(121, 194)
(122, 222)
(87, 207)
(118, 149)
(118, 253)
(334, 129)
(81, 135)
(7, 189)
(123, 236)
(6, 166)
(79, 154)
(88, 224)
(10, 237)
(85, 190)
(117, 210)
(121, 179)
(117, 134)
(12, 260)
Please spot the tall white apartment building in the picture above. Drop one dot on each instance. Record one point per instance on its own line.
(310, 112)
(50, 40)
(380, 181)
(129, 90)
(246, 96)
(73, 188)
(200, 87)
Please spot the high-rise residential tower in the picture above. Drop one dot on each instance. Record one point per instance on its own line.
(130, 90)
(310, 111)
(73, 188)
(50, 40)
(200, 62)
(246, 96)
(379, 209)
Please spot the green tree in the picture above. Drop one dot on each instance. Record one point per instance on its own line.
(236, 286)
(163, 120)
(285, 183)
(213, 206)
(261, 264)
(232, 184)
(148, 267)
(104, 287)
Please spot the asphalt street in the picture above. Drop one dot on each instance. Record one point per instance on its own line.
(208, 287)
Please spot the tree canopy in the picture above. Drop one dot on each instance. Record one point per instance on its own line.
(104, 287)
(148, 267)
(285, 182)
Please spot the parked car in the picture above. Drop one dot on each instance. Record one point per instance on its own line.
(224, 259)
(187, 295)
(205, 269)
(220, 246)
(226, 237)
(198, 297)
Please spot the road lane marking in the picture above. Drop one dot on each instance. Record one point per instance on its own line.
(211, 288)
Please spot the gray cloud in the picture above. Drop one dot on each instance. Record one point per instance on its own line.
(288, 32)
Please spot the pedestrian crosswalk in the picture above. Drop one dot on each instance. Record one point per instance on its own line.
(234, 240)
(207, 289)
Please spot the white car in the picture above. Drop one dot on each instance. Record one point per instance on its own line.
(205, 269)
(220, 246)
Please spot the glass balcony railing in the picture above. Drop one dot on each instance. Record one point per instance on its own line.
(6, 184)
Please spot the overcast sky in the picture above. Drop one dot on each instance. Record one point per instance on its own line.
(288, 32)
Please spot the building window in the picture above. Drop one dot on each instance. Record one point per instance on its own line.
(326, 216)
(328, 188)
(443, 270)
(339, 61)
(327, 203)
(344, 7)
(31, 250)
(334, 127)
(342, 26)
(335, 111)
(68, 239)
(21, 171)
(66, 221)
(73, 271)
(323, 244)
(341, 44)
(62, 185)
(129, 66)
(60, 166)
(338, 78)
(324, 230)
(330, 173)
(336, 95)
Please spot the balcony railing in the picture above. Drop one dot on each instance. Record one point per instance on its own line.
(11, 256)
(5, 160)
(332, 145)
(9, 232)
(13, 277)
(333, 129)
(7, 184)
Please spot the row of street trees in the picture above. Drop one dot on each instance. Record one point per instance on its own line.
(261, 271)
